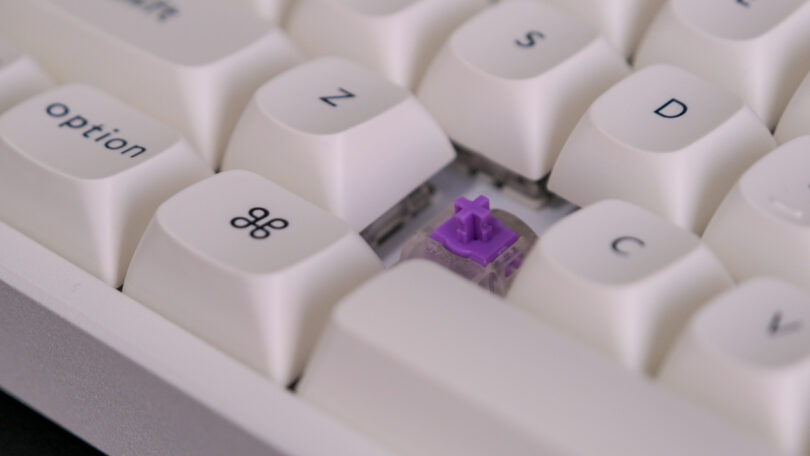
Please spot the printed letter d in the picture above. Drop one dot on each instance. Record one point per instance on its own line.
(671, 109)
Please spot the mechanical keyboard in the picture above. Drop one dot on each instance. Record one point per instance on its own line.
(408, 227)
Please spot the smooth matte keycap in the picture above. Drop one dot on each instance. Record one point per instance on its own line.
(793, 122)
(622, 22)
(665, 140)
(192, 65)
(396, 38)
(511, 83)
(249, 267)
(755, 48)
(763, 225)
(20, 76)
(269, 10)
(746, 354)
(82, 174)
(621, 279)
(427, 363)
(341, 137)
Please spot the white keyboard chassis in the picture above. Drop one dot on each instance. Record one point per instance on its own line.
(130, 382)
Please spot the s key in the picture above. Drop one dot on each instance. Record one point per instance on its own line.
(512, 81)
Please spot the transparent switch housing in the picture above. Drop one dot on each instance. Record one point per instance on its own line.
(484, 246)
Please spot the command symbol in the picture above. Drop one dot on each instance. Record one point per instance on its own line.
(257, 216)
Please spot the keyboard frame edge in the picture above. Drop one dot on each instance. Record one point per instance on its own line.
(129, 381)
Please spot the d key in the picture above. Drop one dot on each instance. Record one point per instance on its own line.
(663, 139)
(755, 48)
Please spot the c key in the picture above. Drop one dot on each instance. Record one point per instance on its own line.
(620, 278)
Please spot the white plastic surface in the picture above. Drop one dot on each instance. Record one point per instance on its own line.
(755, 48)
(747, 355)
(396, 38)
(665, 140)
(341, 137)
(269, 10)
(249, 267)
(622, 22)
(619, 278)
(511, 83)
(223, 386)
(428, 363)
(192, 64)
(793, 122)
(20, 76)
(763, 225)
(184, 364)
(82, 173)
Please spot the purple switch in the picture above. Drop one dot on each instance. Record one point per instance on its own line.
(474, 233)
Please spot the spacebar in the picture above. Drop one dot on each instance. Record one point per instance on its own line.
(428, 364)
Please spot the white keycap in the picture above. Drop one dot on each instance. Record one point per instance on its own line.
(248, 267)
(755, 48)
(82, 174)
(20, 76)
(793, 122)
(341, 137)
(429, 364)
(619, 278)
(664, 140)
(763, 225)
(747, 355)
(192, 64)
(620, 21)
(511, 83)
(269, 10)
(396, 38)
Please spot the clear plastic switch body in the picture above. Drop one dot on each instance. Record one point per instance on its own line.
(484, 246)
